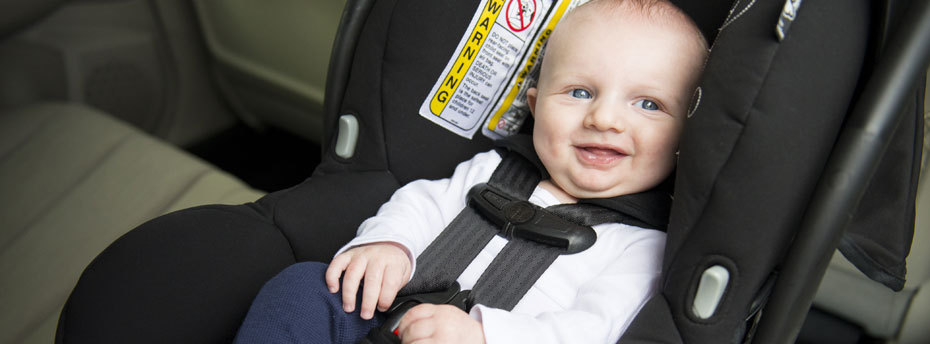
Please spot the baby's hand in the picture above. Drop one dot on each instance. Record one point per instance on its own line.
(385, 267)
(428, 323)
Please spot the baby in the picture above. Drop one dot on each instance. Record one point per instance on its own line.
(610, 104)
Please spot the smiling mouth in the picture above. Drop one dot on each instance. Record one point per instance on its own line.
(599, 155)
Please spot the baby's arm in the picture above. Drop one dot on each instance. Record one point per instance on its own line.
(385, 267)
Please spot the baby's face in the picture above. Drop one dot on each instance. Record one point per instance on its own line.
(611, 103)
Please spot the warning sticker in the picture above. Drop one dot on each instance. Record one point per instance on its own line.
(481, 79)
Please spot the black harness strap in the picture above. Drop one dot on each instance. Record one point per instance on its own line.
(521, 262)
(444, 260)
(511, 274)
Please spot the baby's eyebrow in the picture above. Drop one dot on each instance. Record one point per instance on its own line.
(656, 93)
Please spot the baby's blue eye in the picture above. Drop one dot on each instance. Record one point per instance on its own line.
(581, 93)
(647, 104)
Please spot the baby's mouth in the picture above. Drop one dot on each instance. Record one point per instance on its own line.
(599, 155)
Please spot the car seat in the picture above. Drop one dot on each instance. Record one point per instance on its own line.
(386, 58)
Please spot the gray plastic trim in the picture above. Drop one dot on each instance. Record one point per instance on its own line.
(710, 291)
(347, 137)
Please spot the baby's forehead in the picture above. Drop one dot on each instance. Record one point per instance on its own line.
(604, 18)
(635, 12)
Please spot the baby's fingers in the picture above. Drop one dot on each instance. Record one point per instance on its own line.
(350, 282)
(371, 290)
(391, 283)
(334, 271)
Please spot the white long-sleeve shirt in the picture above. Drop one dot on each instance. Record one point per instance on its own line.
(587, 297)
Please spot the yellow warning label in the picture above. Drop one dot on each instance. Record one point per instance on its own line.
(478, 35)
(530, 62)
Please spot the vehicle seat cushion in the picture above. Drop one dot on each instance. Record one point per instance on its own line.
(73, 181)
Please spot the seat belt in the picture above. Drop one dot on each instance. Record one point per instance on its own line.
(537, 236)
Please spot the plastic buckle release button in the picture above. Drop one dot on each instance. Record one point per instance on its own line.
(710, 291)
(519, 212)
(347, 137)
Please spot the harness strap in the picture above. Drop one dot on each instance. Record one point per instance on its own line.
(511, 274)
(521, 262)
(447, 257)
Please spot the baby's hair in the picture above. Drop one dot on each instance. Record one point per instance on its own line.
(655, 10)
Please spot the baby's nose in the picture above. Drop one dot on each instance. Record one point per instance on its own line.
(605, 118)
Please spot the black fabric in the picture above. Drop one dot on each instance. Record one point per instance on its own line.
(753, 151)
(647, 209)
(323, 213)
(879, 238)
(187, 277)
(401, 52)
(191, 275)
(523, 145)
(707, 14)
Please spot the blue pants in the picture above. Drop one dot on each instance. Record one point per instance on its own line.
(296, 307)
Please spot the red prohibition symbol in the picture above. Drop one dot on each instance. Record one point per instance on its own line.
(520, 14)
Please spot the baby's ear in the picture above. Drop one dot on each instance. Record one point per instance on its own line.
(531, 94)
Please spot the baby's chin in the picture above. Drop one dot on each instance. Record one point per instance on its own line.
(579, 194)
(591, 190)
(588, 189)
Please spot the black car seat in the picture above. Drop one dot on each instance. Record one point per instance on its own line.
(190, 275)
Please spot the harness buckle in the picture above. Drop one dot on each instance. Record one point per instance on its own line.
(525, 220)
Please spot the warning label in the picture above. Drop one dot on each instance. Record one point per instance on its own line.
(482, 77)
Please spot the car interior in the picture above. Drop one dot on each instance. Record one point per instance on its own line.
(113, 112)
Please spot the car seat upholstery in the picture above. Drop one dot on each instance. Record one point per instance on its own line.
(900, 317)
(75, 179)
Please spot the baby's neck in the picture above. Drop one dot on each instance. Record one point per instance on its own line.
(556, 191)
